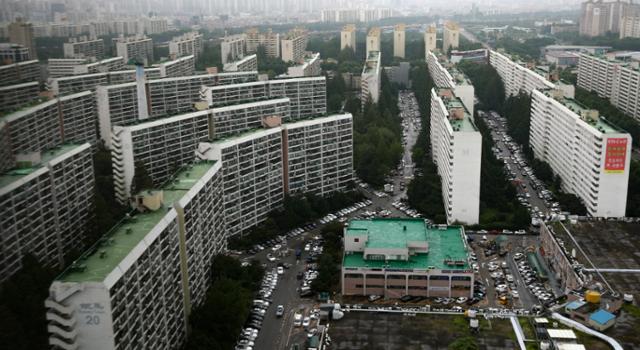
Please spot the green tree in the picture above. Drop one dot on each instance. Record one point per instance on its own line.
(464, 343)
(141, 180)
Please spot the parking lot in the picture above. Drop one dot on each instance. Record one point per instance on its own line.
(532, 192)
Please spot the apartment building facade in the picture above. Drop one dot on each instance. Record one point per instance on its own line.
(13, 53)
(233, 48)
(269, 40)
(83, 48)
(515, 76)
(456, 146)
(612, 78)
(446, 75)
(430, 41)
(246, 64)
(14, 96)
(64, 67)
(398, 40)
(294, 44)
(348, 37)
(397, 257)
(309, 67)
(371, 78)
(373, 40)
(138, 48)
(162, 253)
(188, 44)
(46, 206)
(590, 155)
(450, 36)
(21, 72)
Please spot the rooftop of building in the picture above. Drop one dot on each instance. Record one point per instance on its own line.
(465, 124)
(600, 123)
(15, 174)
(375, 31)
(101, 259)
(445, 243)
(372, 62)
(602, 316)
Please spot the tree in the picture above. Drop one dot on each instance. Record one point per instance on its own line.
(464, 343)
(141, 180)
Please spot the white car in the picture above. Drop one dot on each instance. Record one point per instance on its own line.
(306, 321)
(280, 270)
(271, 258)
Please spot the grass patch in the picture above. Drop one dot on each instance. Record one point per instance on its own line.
(527, 328)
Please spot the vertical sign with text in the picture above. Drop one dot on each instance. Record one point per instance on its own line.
(615, 155)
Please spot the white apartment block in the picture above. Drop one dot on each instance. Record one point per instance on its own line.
(246, 64)
(14, 96)
(46, 206)
(310, 67)
(456, 147)
(233, 48)
(373, 40)
(611, 78)
(269, 40)
(83, 48)
(64, 67)
(294, 44)
(179, 67)
(516, 77)
(13, 53)
(252, 175)
(398, 40)
(308, 95)
(590, 155)
(21, 72)
(348, 37)
(319, 156)
(68, 119)
(118, 104)
(154, 25)
(450, 36)
(430, 42)
(231, 120)
(162, 253)
(448, 76)
(350, 15)
(371, 78)
(188, 44)
(138, 48)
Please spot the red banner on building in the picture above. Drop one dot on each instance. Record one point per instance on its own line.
(616, 155)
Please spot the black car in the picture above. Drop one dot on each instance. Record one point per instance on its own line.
(406, 298)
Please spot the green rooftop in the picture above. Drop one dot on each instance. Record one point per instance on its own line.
(601, 123)
(466, 123)
(18, 173)
(97, 262)
(444, 244)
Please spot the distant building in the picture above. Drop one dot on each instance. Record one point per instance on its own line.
(14, 96)
(476, 56)
(630, 22)
(599, 17)
(430, 40)
(562, 59)
(397, 257)
(399, 40)
(516, 76)
(309, 67)
(84, 48)
(373, 40)
(294, 44)
(371, 78)
(353, 15)
(233, 48)
(21, 72)
(269, 40)
(246, 64)
(348, 37)
(594, 50)
(154, 25)
(64, 67)
(139, 48)
(450, 36)
(187, 44)
(13, 53)
(21, 32)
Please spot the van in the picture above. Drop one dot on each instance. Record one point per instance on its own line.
(297, 320)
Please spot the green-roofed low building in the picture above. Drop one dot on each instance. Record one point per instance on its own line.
(397, 257)
(136, 286)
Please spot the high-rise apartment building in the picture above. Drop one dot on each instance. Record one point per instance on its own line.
(246, 64)
(398, 40)
(21, 72)
(83, 47)
(309, 67)
(188, 44)
(294, 44)
(64, 67)
(352, 15)
(516, 76)
(599, 17)
(456, 149)
(137, 286)
(13, 53)
(21, 32)
(14, 96)
(614, 77)
(154, 25)
(371, 78)
(630, 25)
(450, 36)
(348, 37)
(373, 40)
(46, 206)
(590, 155)
(269, 40)
(446, 75)
(138, 48)
(233, 48)
(430, 43)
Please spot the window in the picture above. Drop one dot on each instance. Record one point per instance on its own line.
(352, 275)
(356, 240)
(439, 278)
(396, 277)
